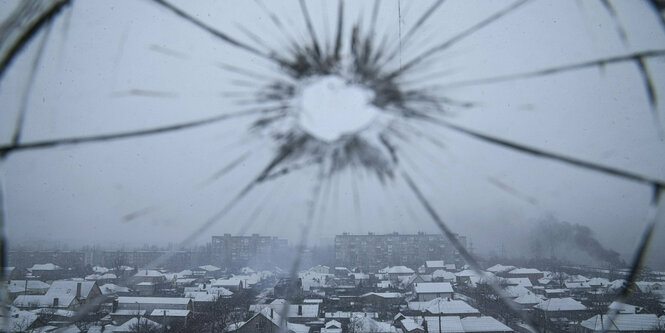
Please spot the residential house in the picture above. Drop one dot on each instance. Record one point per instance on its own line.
(531, 273)
(382, 301)
(430, 290)
(47, 272)
(269, 321)
(26, 287)
(332, 326)
(442, 307)
(146, 305)
(622, 322)
(84, 291)
(67, 302)
(454, 324)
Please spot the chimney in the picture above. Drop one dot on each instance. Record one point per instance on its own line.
(78, 290)
(300, 310)
(271, 313)
(56, 301)
(114, 308)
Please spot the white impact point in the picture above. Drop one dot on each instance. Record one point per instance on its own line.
(331, 108)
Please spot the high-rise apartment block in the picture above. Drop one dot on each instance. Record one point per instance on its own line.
(372, 252)
(255, 251)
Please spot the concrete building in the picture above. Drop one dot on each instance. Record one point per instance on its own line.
(372, 252)
(238, 251)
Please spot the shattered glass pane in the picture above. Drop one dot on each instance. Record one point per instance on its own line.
(179, 119)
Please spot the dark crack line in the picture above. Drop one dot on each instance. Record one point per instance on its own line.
(452, 238)
(5, 150)
(553, 70)
(641, 252)
(18, 127)
(546, 154)
(459, 37)
(419, 23)
(7, 54)
(232, 41)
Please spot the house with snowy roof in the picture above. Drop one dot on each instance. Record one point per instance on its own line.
(146, 305)
(498, 268)
(530, 273)
(84, 291)
(453, 324)
(296, 313)
(385, 300)
(433, 265)
(47, 272)
(430, 290)
(68, 302)
(26, 287)
(332, 326)
(441, 275)
(442, 307)
(269, 321)
(562, 310)
(622, 322)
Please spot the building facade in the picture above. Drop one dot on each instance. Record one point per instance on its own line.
(254, 251)
(372, 252)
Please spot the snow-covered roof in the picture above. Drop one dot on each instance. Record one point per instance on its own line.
(624, 308)
(110, 288)
(345, 314)
(443, 306)
(524, 282)
(170, 313)
(210, 268)
(148, 272)
(130, 324)
(333, 324)
(525, 271)
(366, 324)
(561, 304)
(516, 291)
(154, 300)
(16, 286)
(528, 299)
(432, 287)
(449, 324)
(434, 264)
(43, 301)
(20, 320)
(409, 324)
(306, 310)
(441, 274)
(498, 268)
(603, 282)
(45, 267)
(483, 324)
(384, 295)
(466, 273)
(623, 322)
(100, 269)
(62, 287)
(201, 296)
(55, 312)
(276, 319)
(399, 270)
(577, 285)
(128, 312)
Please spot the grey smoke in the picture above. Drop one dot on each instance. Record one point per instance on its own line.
(551, 235)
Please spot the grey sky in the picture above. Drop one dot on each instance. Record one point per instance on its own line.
(116, 67)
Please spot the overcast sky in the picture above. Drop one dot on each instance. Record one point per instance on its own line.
(110, 67)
